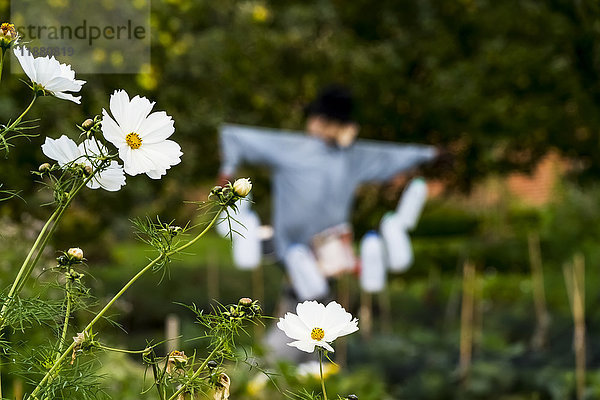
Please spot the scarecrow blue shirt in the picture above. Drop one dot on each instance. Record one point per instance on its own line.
(313, 181)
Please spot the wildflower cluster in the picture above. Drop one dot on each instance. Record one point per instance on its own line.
(178, 374)
(128, 138)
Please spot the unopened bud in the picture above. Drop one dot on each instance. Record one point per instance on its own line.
(88, 170)
(87, 124)
(75, 253)
(79, 339)
(242, 187)
(352, 397)
(62, 260)
(174, 230)
(245, 301)
(212, 364)
(45, 167)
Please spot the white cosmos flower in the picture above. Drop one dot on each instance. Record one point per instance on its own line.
(49, 74)
(317, 325)
(65, 151)
(140, 136)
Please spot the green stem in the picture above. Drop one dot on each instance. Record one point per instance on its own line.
(37, 249)
(22, 272)
(16, 121)
(63, 337)
(100, 314)
(196, 373)
(103, 347)
(1, 67)
(194, 240)
(321, 371)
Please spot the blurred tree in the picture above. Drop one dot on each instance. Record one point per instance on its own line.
(500, 83)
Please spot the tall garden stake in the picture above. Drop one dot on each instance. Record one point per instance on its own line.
(575, 282)
(540, 336)
(466, 321)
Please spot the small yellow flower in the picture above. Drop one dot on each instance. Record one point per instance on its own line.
(8, 35)
(260, 13)
(242, 187)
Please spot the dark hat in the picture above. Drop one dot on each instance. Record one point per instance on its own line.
(333, 102)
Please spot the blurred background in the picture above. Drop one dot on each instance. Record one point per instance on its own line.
(511, 88)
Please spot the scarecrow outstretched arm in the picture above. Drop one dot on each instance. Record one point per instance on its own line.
(245, 144)
(380, 161)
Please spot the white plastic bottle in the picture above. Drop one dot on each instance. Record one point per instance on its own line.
(247, 249)
(397, 243)
(372, 263)
(304, 273)
(222, 227)
(411, 203)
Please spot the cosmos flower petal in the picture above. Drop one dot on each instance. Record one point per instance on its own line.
(293, 327)
(341, 330)
(91, 148)
(311, 313)
(112, 131)
(156, 173)
(139, 109)
(157, 127)
(67, 96)
(335, 317)
(66, 151)
(134, 162)
(63, 150)
(119, 103)
(61, 83)
(26, 60)
(306, 346)
(349, 328)
(325, 345)
(167, 153)
(110, 179)
(50, 74)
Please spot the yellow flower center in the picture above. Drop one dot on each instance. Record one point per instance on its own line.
(133, 140)
(317, 334)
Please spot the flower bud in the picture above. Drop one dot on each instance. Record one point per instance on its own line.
(74, 276)
(75, 253)
(88, 170)
(245, 301)
(174, 230)
(87, 124)
(242, 187)
(62, 261)
(212, 364)
(45, 167)
(352, 397)
(79, 339)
